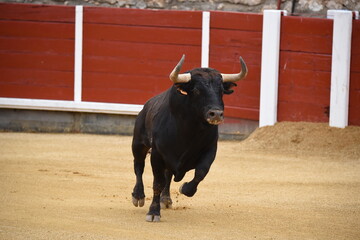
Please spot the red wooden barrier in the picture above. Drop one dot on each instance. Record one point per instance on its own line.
(354, 95)
(36, 51)
(233, 35)
(305, 69)
(129, 54)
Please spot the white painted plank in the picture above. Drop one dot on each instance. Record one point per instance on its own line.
(205, 39)
(340, 68)
(357, 16)
(72, 106)
(269, 67)
(78, 53)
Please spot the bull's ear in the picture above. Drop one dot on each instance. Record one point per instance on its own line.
(228, 87)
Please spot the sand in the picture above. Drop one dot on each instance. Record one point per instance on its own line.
(290, 181)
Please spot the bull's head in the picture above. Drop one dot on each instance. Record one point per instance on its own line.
(205, 87)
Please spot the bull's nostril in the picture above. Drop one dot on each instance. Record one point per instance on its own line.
(214, 116)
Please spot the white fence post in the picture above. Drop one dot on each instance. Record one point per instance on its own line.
(205, 39)
(78, 53)
(340, 67)
(270, 67)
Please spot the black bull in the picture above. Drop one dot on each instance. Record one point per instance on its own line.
(180, 126)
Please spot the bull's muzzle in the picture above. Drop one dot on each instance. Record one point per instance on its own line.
(215, 116)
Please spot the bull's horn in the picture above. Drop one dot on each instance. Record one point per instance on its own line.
(180, 78)
(237, 76)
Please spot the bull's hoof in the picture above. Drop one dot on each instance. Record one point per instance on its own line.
(181, 188)
(152, 218)
(187, 190)
(165, 202)
(138, 195)
(138, 202)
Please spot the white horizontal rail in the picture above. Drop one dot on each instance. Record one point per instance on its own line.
(72, 106)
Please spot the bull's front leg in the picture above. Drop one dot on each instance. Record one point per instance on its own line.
(165, 199)
(190, 188)
(158, 185)
(139, 152)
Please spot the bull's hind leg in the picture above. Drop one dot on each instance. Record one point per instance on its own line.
(158, 170)
(165, 199)
(139, 152)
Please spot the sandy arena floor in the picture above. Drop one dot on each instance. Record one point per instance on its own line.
(291, 181)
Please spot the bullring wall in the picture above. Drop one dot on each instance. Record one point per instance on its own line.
(127, 55)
